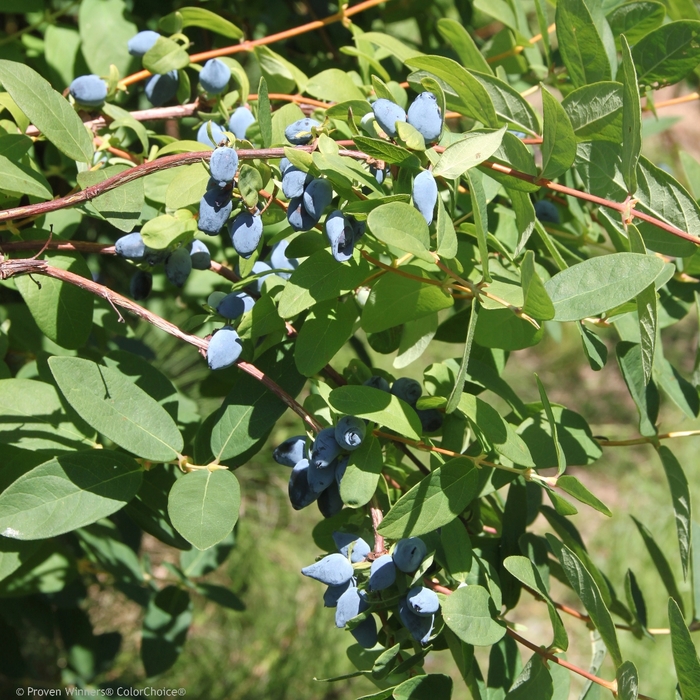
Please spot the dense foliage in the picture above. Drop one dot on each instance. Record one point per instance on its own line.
(285, 216)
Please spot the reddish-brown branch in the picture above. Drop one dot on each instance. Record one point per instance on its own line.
(12, 268)
(273, 38)
(377, 517)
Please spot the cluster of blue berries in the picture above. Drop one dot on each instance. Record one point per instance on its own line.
(178, 263)
(317, 473)
(356, 591)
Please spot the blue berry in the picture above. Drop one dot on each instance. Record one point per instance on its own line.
(131, 246)
(214, 209)
(140, 285)
(224, 348)
(409, 553)
(430, 419)
(300, 494)
(235, 304)
(320, 478)
(294, 181)
(201, 258)
(258, 268)
(89, 90)
(333, 570)
(216, 131)
(366, 632)
(360, 548)
(424, 115)
(423, 601)
(546, 211)
(408, 390)
(178, 266)
(141, 43)
(333, 593)
(340, 235)
(329, 502)
(223, 165)
(317, 196)
(280, 261)
(246, 230)
(239, 122)
(350, 432)
(367, 125)
(325, 448)
(387, 113)
(299, 133)
(161, 88)
(425, 194)
(382, 573)
(377, 382)
(350, 605)
(340, 469)
(420, 627)
(379, 175)
(291, 451)
(298, 217)
(284, 164)
(214, 76)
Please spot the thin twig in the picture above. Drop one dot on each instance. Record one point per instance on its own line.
(377, 517)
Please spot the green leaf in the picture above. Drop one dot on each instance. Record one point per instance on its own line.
(104, 33)
(685, 658)
(645, 395)
(206, 19)
(378, 406)
(455, 398)
(435, 501)
(250, 409)
(429, 687)
(666, 55)
(203, 506)
(481, 221)
(559, 141)
(162, 232)
(680, 494)
(360, 479)
(454, 33)
(447, 244)
(249, 184)
(472, 98)
(165, 55)
(497, 431)
(501, 328)
(121, 206)
(561, 458)
(572, 486)
(320, 278)
(627, 681)
(526, 572)
(187, 187)
(580, 44)
(20, 179)
(165, 625)
(401, 226)
(66, 493)
(647, 313)
(388, 152)
(333, 85)
(49, 111)
(469, 612)
(661, 563)
(468, 152)
(536, 300)
(535, 681)
(587, 590)
(114, 406)
(326, 329)
(395, 299)
(458, 549)
(35, 419)
(595, 349)
(595, 111)
(14, 554)
(631, 119)
(62, 311)
(264, 114)
(635, 19)
(599, 284)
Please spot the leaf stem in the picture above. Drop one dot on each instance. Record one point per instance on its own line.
(647, 440)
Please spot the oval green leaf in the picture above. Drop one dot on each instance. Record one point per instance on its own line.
(469, 612)
(401, 226)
